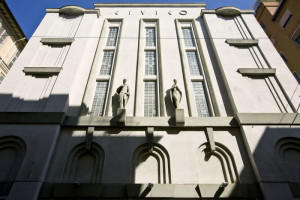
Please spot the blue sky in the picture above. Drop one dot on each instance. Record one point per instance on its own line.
(29, 13)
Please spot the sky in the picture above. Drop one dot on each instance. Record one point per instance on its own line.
(29, 13)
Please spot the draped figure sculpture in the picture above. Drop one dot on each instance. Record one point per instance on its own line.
(175, 94)
(123, 92)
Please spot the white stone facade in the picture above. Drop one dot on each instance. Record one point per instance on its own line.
(234, 135)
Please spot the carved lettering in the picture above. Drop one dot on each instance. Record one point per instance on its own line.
(143, 12)
(117, 12)
(169, 13)
(156, 12)
(129, 13)
(183, 12)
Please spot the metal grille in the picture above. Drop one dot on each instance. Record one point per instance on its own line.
(112, 37)
(187, 37)
(99, 99)
(193, 63)
(150, 37)
(200, 99)
(150, 106)
(150, 63)
(107, 62)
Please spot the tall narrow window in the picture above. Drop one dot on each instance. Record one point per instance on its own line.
(150, 106)
(150, 63)
(150, 37)
(107, 63)
(188, 37)
(99, 99)
(112, 36)
(193, 63)
(102, 70)
(200, 99)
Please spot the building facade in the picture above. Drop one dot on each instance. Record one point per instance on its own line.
(281, 22)
(12, 40)
(129, 101)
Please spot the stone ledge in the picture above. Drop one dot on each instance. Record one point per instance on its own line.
(256, 71)
(32, 117)
(42, 70)
(268, 118)
(68, 190)
(57, 41)
(241, 42)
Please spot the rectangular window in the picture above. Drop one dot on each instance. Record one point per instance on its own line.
(296, 76)
(200, 99)
(193, 63)
(263, 25)
(283, 56)
(107, 62)
(112, 36)
(150, 37)
(150, 105)
(1, 77)
(188, 37)
(285, 18)
(296, 36)
(150, 63)
(99, 99)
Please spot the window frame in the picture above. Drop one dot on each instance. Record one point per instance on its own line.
(293, 35)
(288, 18)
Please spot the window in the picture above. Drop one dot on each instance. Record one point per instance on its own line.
(285, 18)
(112, 36)
(188, 37)
(272, 39)
(13, 59)
(150, 37)
(150, 63)
(296, 76)
(296, 37)
(1, 77)
(283, 56)
(99, 99)
(263, 25)
(105, 69)
(200, 103)
(107, 63)
(200, 99)
(150, 105)
(193, 63)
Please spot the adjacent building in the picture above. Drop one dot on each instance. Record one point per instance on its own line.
(281, 22)
(12, 39)
(149, 101)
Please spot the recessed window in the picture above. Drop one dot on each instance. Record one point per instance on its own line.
(150, 63)
(262, 25)
(99, 99)
(112, 36)
(272, 39)
(107, 63)
(285, 18)
(150, 37)
(296, 36)
(1, 77)
(188, 37)
(150, 103)
(200, 99)
(283, 56)
(193, 63)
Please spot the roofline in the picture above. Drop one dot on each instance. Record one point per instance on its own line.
(202, 5)
(12, 23)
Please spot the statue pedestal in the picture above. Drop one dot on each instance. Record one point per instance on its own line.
(179, 117)
(121, 115)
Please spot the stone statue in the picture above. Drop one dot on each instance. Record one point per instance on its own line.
(123, 92)
(175, 94)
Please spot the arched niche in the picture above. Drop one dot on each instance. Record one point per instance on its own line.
(12, 152)
(151, 166)
(288, 150)
(219, 164)
(84, 166)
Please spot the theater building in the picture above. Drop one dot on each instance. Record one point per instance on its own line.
(208, 109)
